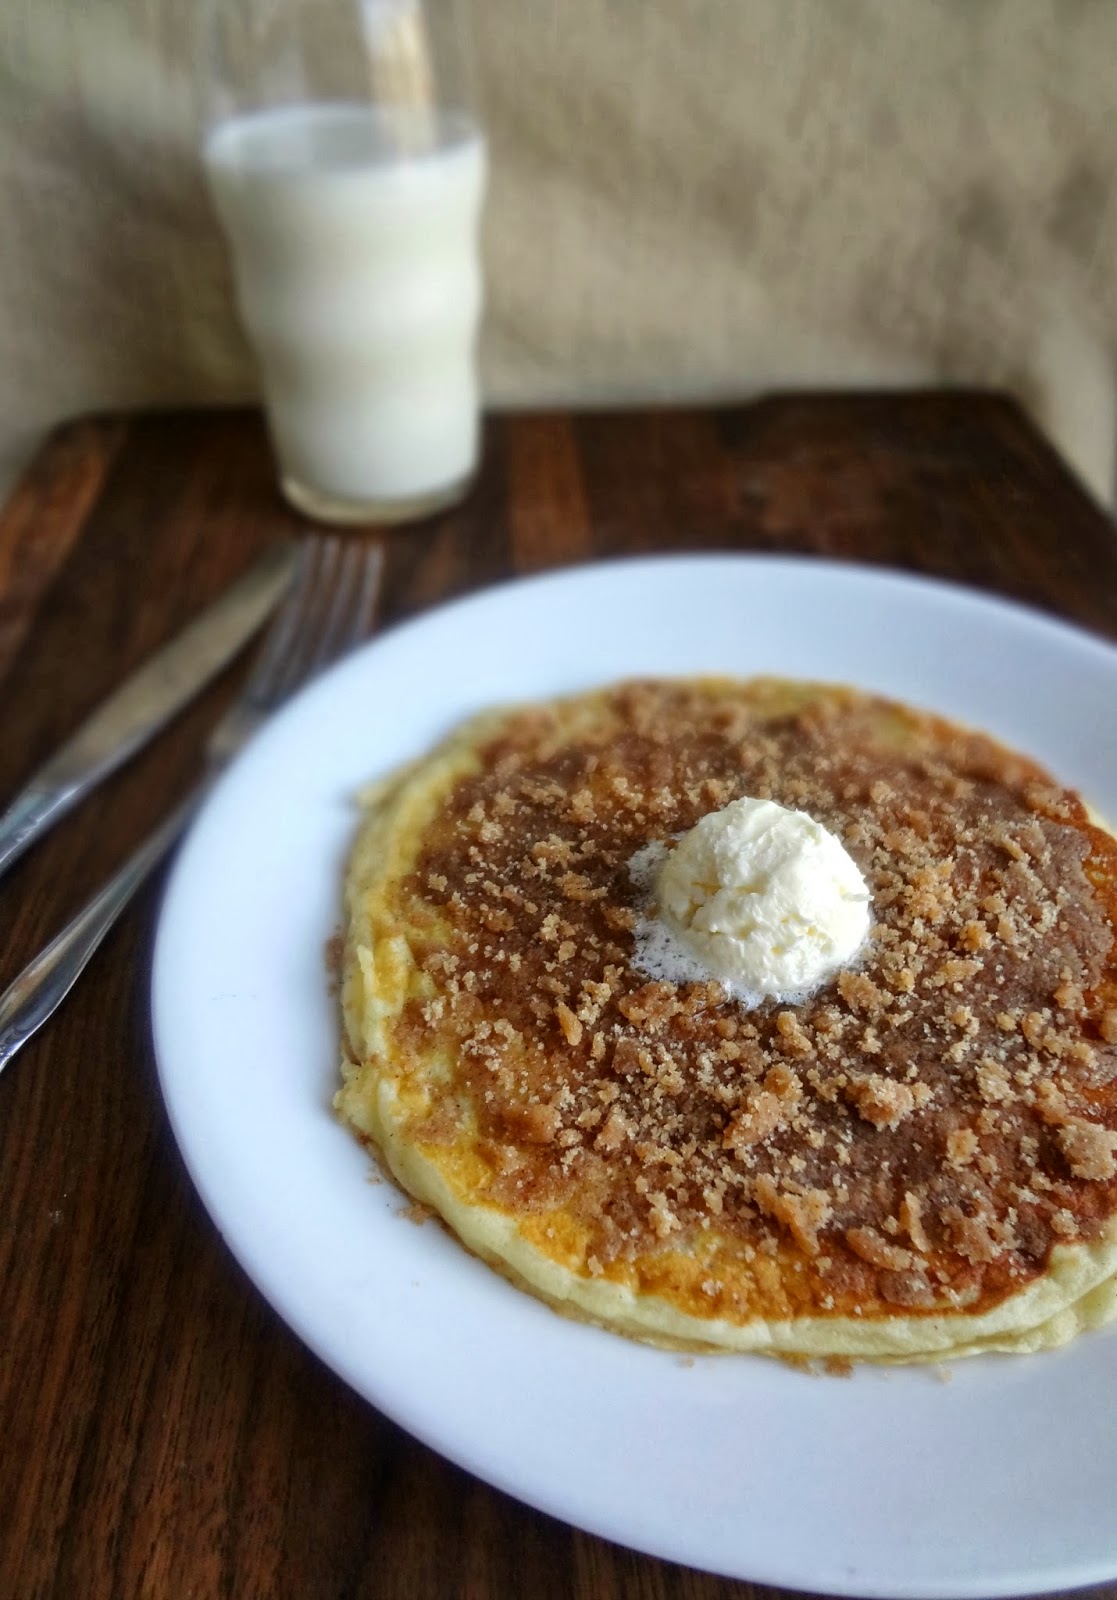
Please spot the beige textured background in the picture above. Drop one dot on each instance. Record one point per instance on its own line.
(689, 198)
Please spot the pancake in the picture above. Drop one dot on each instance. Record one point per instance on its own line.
(916, 1162)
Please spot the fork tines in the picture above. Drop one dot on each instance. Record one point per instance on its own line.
(330, 608)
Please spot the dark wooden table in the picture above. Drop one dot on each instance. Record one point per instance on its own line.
(162, 1433)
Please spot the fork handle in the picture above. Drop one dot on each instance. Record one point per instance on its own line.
(46, 981)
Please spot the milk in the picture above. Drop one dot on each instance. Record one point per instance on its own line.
(354, 235)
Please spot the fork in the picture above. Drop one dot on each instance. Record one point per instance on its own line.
(330, 607)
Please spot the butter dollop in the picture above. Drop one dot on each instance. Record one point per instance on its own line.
(762, 898)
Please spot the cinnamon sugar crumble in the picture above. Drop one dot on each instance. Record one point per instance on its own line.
(877, 1251)
(1090, 1150)
(881, 1101)
(961, 1146)
(927, 1126)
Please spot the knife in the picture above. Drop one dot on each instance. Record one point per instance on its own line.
(145, 702)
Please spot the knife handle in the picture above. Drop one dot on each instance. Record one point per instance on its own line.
(29, 814)
(42, 986)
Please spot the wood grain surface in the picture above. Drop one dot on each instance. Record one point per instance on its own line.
(162, 1433)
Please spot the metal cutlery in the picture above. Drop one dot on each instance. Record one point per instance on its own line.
(145, 702)
(330, 607)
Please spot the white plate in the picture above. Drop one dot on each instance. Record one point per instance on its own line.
(889, 1483)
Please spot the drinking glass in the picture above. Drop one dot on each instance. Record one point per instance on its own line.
(347, 163)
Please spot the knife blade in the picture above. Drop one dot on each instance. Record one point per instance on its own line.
(145, 702)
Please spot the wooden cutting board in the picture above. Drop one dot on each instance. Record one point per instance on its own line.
(163, 1433)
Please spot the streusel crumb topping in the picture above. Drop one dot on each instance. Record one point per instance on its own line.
(922, 1131)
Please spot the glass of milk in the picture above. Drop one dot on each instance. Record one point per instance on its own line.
(347, 164)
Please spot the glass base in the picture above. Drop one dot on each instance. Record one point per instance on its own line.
(323, 507)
